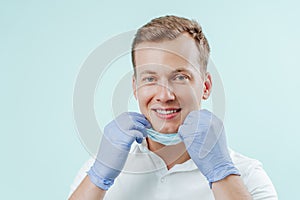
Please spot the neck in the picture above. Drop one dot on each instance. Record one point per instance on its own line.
(171, 155)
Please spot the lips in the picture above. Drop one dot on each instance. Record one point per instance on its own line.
(167, 113)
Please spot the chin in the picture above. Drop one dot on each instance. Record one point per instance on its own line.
(166, 129)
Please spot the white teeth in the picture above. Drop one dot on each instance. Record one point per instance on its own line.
(166, 112)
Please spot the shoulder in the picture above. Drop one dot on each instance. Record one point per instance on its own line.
(254, 177)
(242, 162)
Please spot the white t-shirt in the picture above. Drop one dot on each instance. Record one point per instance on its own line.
(145, 177)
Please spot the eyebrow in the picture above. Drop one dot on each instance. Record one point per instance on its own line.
(182, 70)
(148, 72)
(173, 72)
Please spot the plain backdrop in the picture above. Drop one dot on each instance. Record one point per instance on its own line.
(255, 47)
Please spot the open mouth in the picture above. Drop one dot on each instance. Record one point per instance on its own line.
(167, 113)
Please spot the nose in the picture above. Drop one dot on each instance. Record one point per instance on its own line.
(164, 94)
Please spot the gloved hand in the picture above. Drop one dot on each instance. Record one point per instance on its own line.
(115, 145)
(204, 137)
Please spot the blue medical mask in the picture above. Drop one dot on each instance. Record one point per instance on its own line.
(163, 138)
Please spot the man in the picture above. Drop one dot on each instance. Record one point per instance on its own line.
(174, 149)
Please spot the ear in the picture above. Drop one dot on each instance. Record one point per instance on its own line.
(134, 86)
(207, 86)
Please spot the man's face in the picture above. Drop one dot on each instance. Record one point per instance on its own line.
(168, 83)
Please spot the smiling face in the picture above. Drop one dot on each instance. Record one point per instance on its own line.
(168, 83)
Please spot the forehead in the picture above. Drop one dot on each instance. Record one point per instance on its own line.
(180, 52)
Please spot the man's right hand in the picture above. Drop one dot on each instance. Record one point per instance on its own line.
(115, 145)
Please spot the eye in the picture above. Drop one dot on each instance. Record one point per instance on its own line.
(149, 79)
(181, 77)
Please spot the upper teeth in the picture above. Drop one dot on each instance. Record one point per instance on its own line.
(165, 112)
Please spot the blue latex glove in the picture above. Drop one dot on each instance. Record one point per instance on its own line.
(204, 137)
(115, 145)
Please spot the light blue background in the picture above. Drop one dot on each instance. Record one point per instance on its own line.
(255, 45)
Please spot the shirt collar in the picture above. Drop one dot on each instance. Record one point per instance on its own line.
(188, 165)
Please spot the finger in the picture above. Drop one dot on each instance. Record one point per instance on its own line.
(138, 135)
(139, 120)
(196, 121)
(214, 134)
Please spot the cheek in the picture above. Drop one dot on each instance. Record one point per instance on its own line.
(189, 94)
(144, 96)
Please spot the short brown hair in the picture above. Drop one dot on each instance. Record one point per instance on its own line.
(169, 28)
